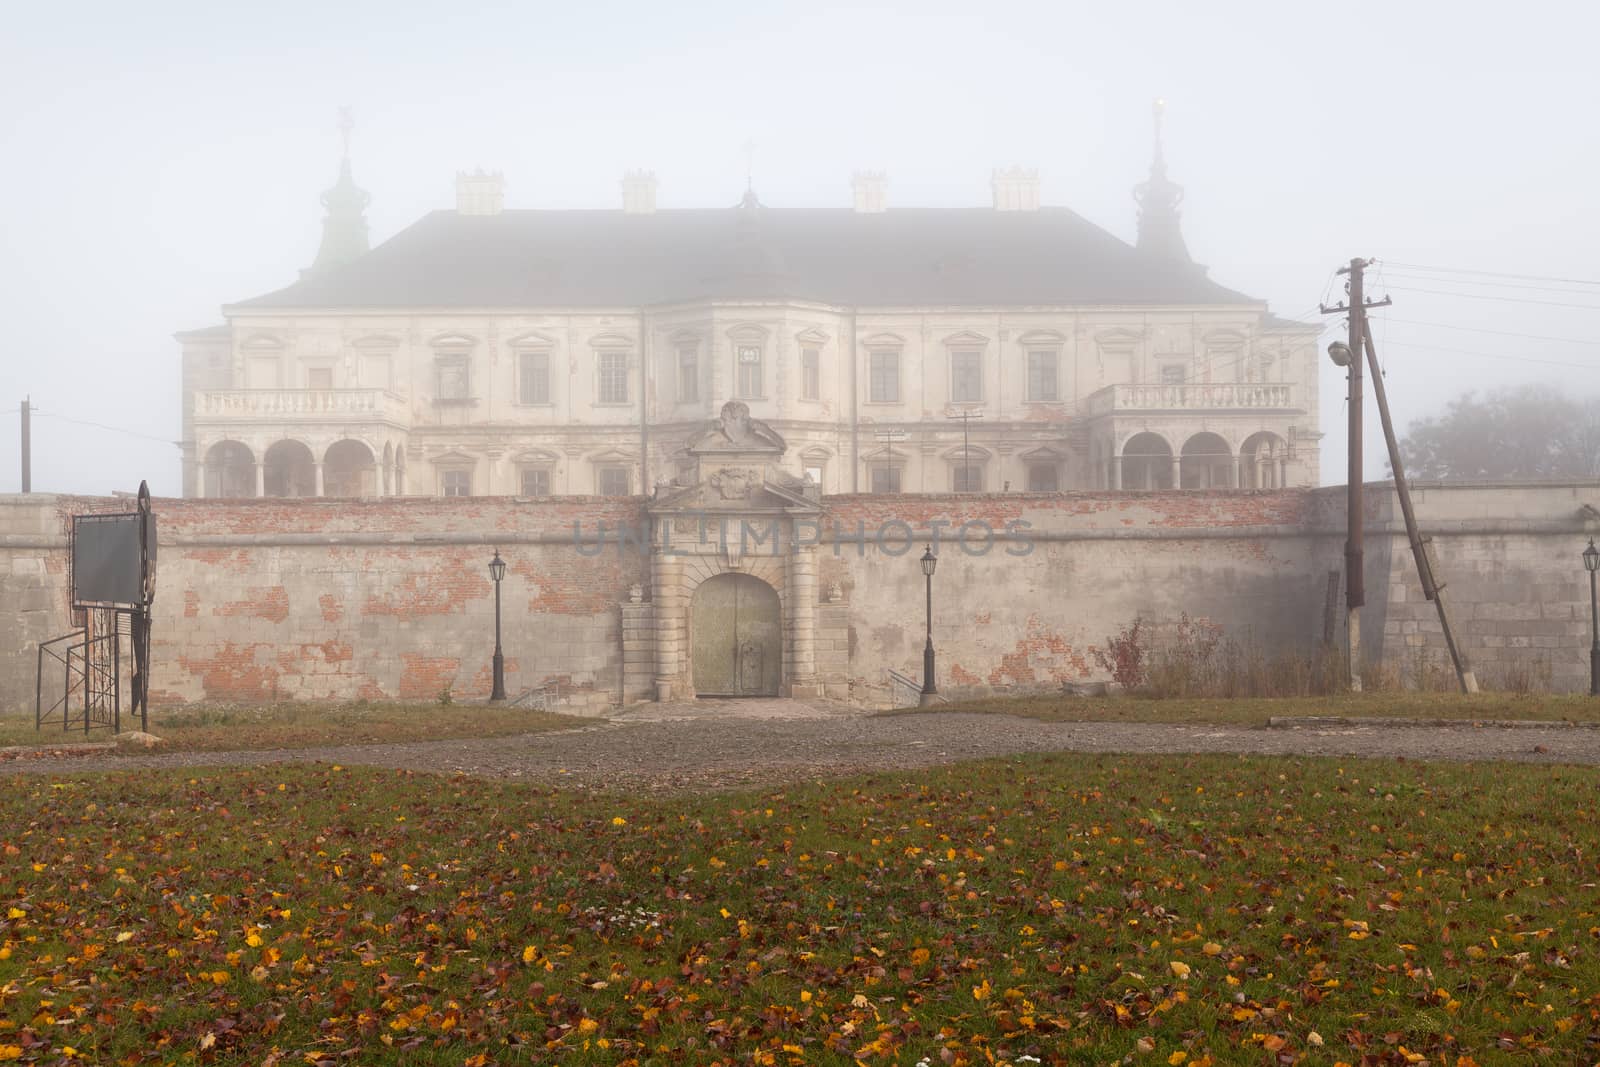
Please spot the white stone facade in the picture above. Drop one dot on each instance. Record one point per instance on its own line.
(586, 402)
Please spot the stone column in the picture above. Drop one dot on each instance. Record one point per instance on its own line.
(802, 641)
(1283, 472)
(1177, 471)
(261, 477)
(1116, 472)
(316, 472)
(200, 482)
(671, 620)
(1237, 472)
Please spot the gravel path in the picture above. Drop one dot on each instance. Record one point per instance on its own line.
(687, 747)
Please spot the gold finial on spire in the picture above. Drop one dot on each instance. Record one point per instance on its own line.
(346, 125)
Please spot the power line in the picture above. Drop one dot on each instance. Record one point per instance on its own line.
(1498, 333)
(1499, 299)
(1496, 355)
(1495, 274)
(103, 426)
(1408, 276)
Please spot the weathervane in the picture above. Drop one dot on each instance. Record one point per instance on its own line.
(1159, 109)
(346, 124)
(749, 165)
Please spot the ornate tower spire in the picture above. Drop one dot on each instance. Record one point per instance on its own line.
(1158, 197)
(344, 227)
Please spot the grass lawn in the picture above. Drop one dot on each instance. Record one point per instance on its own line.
(1178, 910)
(1256, 711)
(209, 729)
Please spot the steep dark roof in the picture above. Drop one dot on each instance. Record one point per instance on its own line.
(907, 256)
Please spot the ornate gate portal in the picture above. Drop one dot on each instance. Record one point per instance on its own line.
(736, 623)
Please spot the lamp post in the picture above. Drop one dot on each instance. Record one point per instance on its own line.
(1591, 563)
(497, 571)
(929, 563)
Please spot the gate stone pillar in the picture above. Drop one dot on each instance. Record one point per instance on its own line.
(671, 623)
(802, 582)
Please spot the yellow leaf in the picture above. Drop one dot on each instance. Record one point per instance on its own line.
(529, 954)
(1212, 949)
(1179, 969)
(1177, 1058)
(1314, 1038)
(10, 1052)
(619, 821)
(16, 913)
(124, 935)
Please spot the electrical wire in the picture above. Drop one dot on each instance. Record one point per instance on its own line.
(103, 426)
(1497, 299)
(1495, 274)
(1408, 277)
(1496, 355)
(1498, 333)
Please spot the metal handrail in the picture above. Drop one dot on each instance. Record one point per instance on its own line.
(540, 697)
(912, 685)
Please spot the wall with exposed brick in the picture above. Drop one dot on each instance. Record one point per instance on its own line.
(262, 600)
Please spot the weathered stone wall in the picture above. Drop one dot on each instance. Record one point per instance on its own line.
(262, 600)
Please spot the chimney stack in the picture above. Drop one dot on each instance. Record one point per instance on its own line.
(1015, 189)
(639, 192)
(870, 188)
(479, 193)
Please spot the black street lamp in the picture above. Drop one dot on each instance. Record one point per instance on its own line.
(497, 571)
(1591, 563)
(929, 563)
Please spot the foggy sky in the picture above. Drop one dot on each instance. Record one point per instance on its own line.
(162, 159)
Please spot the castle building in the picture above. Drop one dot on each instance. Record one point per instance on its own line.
(494, 351)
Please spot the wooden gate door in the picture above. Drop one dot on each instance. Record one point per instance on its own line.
(737, 634)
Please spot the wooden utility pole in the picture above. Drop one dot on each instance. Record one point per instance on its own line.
(27, 446)
(1431, 589)
(1355, 504)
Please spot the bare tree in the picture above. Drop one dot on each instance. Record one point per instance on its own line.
(1530, 431)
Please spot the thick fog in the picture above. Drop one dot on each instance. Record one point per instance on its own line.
(163, 159)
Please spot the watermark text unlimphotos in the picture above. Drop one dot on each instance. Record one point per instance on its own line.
(685, 534)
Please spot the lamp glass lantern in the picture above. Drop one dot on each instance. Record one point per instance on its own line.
(930, 561)
(1591, 557)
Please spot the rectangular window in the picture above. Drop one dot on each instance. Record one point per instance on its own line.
(967, 478)
(613, 481)
(1172, 374)
(688, 373)
(533, 382)
(319, 377)
(1043, 383)
(810, 374)
(613, 377)
(750, 372)
(453, 378)
(535, 481)
(966, 377)
(1043, 478)
(883, 377)
(885, 479)
(814, 472)
(455, 483)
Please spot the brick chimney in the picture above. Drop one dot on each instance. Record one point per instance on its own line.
(479, 193)
(870, 188)
(639, 192)
(1015, 189)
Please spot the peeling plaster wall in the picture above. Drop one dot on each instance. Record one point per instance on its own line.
(261, 600)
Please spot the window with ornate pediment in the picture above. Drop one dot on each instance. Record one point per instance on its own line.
(263, 361)
(535, 473)
(534, 360)
(452, 364)
(811, 342)
(612, 355)
(966, 367)
(1042, 365)
(749, 361)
